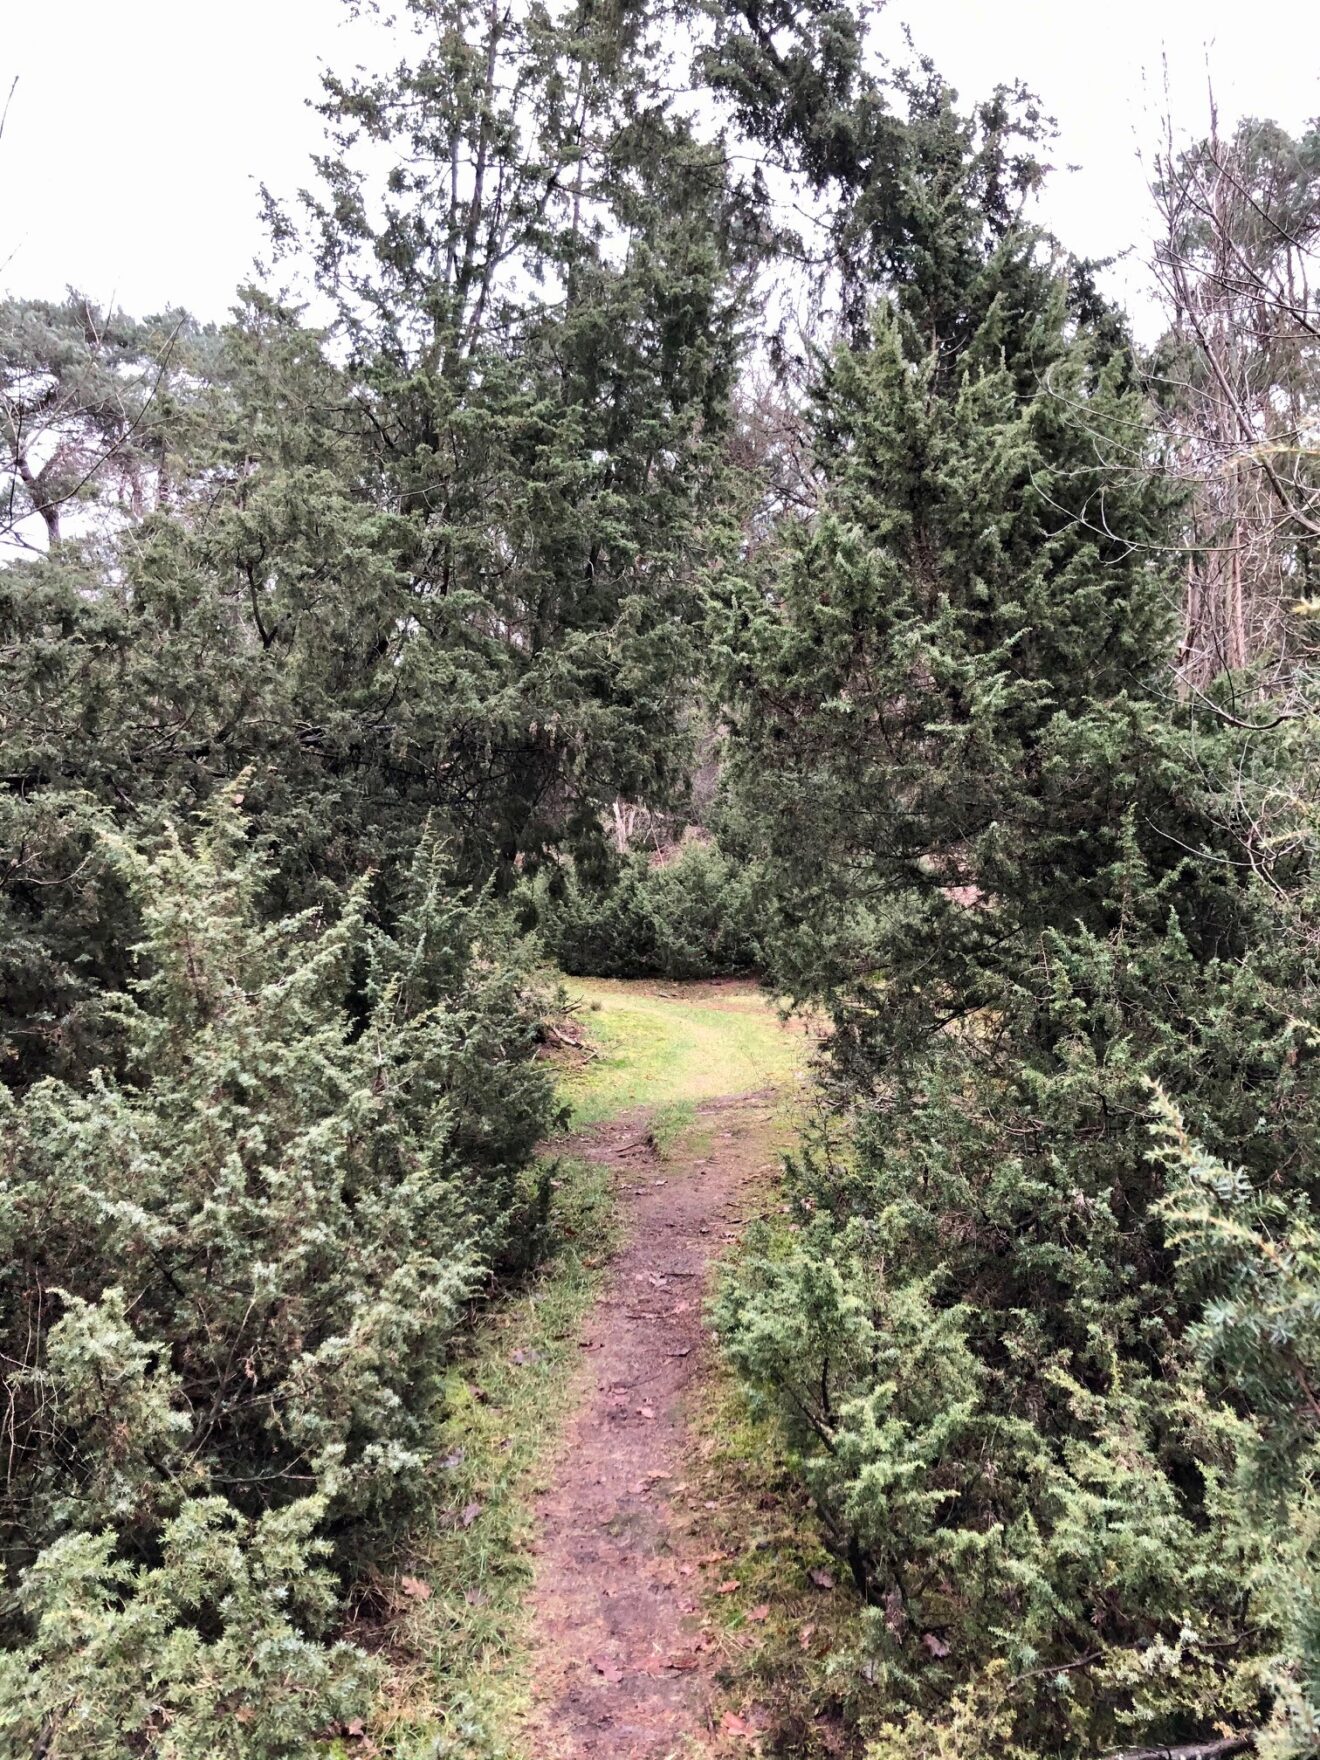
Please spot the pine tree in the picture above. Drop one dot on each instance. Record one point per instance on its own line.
(91, 408)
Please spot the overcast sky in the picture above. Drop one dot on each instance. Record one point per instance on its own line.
(139, 130)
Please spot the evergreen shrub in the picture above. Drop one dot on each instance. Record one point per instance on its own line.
(229, 1277)
(1025, 879)
(690, 917)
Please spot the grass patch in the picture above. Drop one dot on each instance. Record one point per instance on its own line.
(662, 1046)
(456, 1608)
(675, 1126)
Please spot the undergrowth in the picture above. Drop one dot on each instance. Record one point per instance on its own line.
(785, 1630)
(458, 1602)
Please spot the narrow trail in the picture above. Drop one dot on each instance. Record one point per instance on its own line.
(623, 1664)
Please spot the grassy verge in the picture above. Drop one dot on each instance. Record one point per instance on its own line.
(788, 1633)
(786, 1630)
(457, 1605)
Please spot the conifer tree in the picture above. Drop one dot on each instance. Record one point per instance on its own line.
(544, 331)
(998, 850)
(442, 561)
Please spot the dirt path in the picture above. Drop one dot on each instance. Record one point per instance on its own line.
(622, 1664)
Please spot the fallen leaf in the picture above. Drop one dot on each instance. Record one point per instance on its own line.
(606, 1666)
(354, 1727)
(733, 1725)
(416, 1588)
(761, 1612)
(822, 1578)
(470, 1513)
(805, 1636)
(646, 1411)
(727, 1588)
(936, 1646)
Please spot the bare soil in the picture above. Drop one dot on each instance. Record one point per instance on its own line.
(623, 1661)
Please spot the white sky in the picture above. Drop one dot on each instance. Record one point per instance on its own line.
(140, 130)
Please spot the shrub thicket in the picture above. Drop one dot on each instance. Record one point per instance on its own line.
(998, 849)
(1250, 1255)
(229, 1281)
(690, 917)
